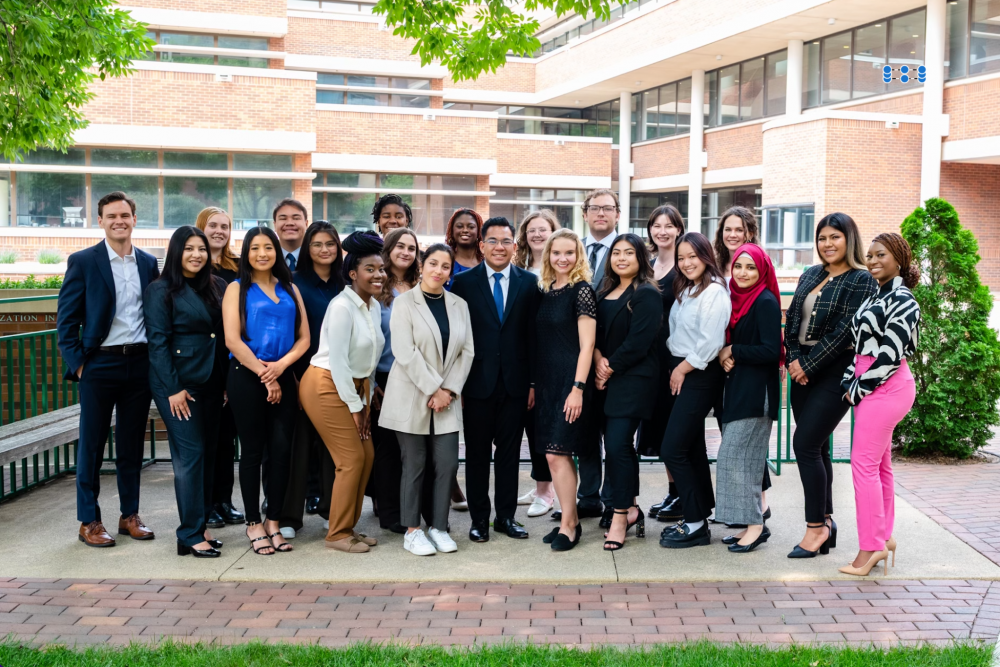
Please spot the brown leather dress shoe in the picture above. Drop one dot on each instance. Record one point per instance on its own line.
(134, 528)
(93, 534)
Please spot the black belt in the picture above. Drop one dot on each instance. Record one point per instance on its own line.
(126, 350)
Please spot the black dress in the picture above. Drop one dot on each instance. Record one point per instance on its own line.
(651, 430)
(558, 353)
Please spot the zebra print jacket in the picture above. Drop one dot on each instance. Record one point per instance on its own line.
(884, 327)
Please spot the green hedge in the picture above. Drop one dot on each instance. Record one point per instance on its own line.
(50, 282)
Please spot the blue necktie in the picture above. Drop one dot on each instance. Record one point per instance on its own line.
(498, 294)
(291, 262)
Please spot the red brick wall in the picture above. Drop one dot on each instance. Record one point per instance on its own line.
(974, 191)
(345, 39)
(794, 158)
(516, 77)
(187, 99)
(526, 156)
(664, 158)
(736, 147)
(973, 110)
(367, 133)
(908, 104)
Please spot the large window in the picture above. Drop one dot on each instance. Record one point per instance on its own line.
(715, 202)
(198, 49)
(600, 120)
(346, 199)
(984, 47)
(662, 112)
(144, 190)
(748, 90)
(788, 235)
(342, 89)
(849, 65)
(516, 203)
(557, 36)
(254, 200)
(641, 206)
(184, 197)
(51, 200)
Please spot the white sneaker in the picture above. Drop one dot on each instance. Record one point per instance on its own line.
(541, 506)
(326, 525)
(442, 541)
(460, 507)
(527, 498)
(416, 543)
(287, 532)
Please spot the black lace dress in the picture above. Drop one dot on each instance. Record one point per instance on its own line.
(558, 352)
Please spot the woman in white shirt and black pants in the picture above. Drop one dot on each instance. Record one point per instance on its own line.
(698, 321)
(336, 390)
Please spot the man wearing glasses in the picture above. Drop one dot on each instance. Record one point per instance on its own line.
(503, 301)
(601, 211)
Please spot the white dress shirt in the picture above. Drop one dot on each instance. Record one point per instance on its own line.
(128, 325)
(604, 247)
(698, 325)
(350, 344)
(504, 281)
(293, 253)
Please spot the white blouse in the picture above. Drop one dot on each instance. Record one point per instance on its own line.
(350, 344)
(698, 325)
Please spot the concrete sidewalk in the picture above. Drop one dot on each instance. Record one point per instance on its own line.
(45, 545)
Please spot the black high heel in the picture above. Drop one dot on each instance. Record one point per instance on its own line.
(640, 529)
(824, 549)
(278, 547)
(833, 533)
(216, 544)
(254, 540)
(184, 550)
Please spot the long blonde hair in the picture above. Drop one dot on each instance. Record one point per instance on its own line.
(227, 260)
(580, 272)
(522, 256)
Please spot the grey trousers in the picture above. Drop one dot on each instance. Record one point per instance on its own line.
(444, 457)
(740, 468)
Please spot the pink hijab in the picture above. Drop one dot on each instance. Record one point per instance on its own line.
(743, 299)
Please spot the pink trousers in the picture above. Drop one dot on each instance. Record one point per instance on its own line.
(875, 417)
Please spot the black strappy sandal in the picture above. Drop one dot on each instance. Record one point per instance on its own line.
(640, 529)
(253, 540)
(277, 547)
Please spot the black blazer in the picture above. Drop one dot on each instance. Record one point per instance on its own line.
(185, 345)
(627, 337)
(506, 348)
(756, 342)
(830, 325)
(87, 300)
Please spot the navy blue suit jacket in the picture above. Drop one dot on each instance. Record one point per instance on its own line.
(507, 347)
(87, 301)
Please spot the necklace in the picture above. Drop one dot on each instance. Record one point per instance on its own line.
(431, 296)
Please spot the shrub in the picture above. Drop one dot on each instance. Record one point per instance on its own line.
(49, 257)
(8, 256)
(50, 282)
(957, 364)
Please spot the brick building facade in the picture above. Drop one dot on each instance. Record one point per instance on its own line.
(242, 103)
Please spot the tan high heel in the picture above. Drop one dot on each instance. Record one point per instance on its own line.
(867, 567)
(890, 545)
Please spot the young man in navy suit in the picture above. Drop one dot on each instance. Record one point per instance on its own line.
(102, 338)
(503, 301)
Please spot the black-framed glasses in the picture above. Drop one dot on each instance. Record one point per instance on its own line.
(506, 243)
(608, 210)
(317, 245)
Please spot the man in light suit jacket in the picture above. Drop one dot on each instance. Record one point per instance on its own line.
(102, 337)
(503, 301)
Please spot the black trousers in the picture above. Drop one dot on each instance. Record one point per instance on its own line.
(192, 455)
(818, 407)
(307, 463)
(111, 381)
(495, 421)
(591, 492)
(621, 460)
(684, 449)
(225, 458)
(262, 426)
(539, 464)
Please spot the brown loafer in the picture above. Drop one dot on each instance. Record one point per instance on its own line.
(93, 534)
(348, 545)
(361, 537)
(134, 528)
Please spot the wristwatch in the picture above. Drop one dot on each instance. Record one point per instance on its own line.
(579, 385)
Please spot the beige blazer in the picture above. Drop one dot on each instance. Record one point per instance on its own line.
(419, 370)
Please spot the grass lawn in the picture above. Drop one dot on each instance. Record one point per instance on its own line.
(363, 655)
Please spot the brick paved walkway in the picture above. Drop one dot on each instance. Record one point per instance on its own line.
(76, 612)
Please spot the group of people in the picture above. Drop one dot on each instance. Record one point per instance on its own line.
(349, 367)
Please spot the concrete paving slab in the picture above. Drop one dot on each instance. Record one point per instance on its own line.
(47, 546)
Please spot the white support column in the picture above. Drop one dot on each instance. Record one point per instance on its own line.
(933, 125)
(697, 148)
(625, 159)
(793, 80)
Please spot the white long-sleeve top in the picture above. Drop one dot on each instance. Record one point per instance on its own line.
(350, 344)
(698, 325)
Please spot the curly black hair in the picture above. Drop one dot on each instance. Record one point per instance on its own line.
(384, 201)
